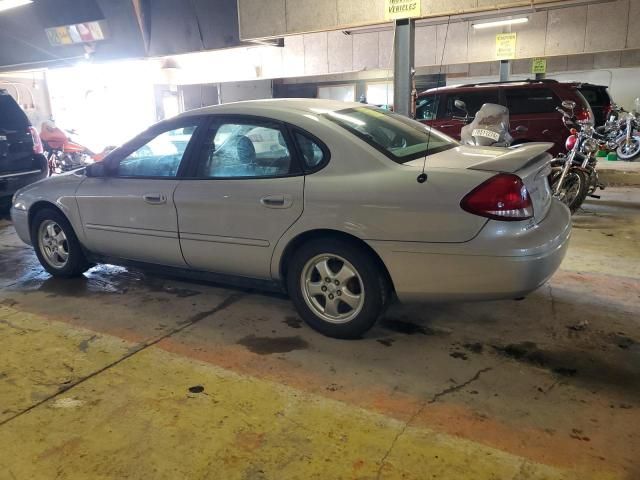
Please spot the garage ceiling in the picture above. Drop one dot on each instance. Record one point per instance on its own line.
(136, 28)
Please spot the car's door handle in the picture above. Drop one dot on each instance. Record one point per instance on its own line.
(155, 198)
(277, 201)
(446, 126)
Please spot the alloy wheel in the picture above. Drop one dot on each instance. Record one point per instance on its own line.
(53, 244)
(332, 288)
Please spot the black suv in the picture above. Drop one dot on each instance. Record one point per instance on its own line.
(599, 100)
(21, 157)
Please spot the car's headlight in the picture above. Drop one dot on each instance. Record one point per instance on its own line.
(17, 203)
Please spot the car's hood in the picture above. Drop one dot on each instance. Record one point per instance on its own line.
(494, 159)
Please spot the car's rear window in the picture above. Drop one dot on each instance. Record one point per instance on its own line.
(596, 96)
(398, 137)
(11, 115)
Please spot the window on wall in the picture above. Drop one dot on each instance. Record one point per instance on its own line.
(343, 93)
(380, 94)
(531, 100)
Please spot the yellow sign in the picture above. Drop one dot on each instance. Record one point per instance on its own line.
(506, 46)
(396, 9)
(539, 65)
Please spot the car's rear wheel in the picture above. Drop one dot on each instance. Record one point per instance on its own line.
(56, 245)
(337, 288)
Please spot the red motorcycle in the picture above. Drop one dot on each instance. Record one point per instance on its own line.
(63, 154)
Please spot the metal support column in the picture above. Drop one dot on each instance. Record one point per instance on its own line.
(504, 70)
(403, 66)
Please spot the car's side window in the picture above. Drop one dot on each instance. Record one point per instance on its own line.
(473, 101)
(427, 108)
(245, 150)
(531, 100)
(312, 153)
(159, 157)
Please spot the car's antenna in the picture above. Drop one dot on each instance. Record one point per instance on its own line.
(423, 176)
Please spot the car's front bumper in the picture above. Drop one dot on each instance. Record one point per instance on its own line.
(20, 220)
(482, 269)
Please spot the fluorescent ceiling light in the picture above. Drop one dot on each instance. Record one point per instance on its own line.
(8, 4)
(501, 23)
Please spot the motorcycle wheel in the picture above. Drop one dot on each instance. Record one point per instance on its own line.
(574, 190)
(631, 151)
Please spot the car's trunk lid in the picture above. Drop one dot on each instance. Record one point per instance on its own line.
(529, 161)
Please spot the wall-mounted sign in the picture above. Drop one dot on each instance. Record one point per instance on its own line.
(506, 46)
(395, 9)
(79, 33)
(539, 65)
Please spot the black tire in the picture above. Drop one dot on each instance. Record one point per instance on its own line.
(76, 263)
(375, 287)
(576, 175)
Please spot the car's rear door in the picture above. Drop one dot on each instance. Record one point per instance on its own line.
(451, 119)
(534, 108)
(245, 188)
(130, 213)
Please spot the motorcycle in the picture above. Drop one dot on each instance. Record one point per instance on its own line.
(621, 132)
(63, 154)
(574, 176)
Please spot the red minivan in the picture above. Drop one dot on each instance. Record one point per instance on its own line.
(531, 103)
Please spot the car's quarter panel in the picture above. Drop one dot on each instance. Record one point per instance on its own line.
(228, 226)
(506, 260)
(118, 220)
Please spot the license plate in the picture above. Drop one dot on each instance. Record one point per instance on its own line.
(481, 132)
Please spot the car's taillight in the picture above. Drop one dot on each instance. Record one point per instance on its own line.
(607, 109)
(570, 142)
(584, 115)
(503, 197)
(37, 143)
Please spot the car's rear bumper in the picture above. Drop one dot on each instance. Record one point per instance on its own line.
(446, 272)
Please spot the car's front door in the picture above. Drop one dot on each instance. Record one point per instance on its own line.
(453, 119)
(245, 189)
(130, 212)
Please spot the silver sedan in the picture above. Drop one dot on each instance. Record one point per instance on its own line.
(344, 206)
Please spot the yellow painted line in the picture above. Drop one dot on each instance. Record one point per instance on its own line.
(138, 419)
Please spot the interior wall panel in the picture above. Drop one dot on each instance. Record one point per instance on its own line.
(607, 32)
(341, 48)
(566, 30)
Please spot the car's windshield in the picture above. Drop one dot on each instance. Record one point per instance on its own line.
(398, 137)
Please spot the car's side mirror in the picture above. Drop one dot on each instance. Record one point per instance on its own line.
(460, 105)
(96, 170)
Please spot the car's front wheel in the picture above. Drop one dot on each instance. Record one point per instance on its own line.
(56, 244)
(337, 288)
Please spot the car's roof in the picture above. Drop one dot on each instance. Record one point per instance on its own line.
(282, 105)
(507, 84)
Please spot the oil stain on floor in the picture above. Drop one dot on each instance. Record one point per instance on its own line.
(270, 345)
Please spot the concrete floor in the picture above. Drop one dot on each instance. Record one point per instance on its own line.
(124, 375)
